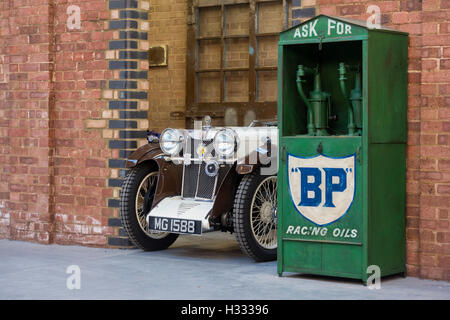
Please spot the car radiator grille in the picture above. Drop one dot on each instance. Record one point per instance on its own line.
(190, 180)
(196, 183)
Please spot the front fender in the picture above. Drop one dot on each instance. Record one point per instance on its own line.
(169, 174)
(148, 151)
(225, 194)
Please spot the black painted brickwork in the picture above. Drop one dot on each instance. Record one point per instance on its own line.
(122, 144)
(133, 75)
(129, 17)
(133, 35)
(133, 14)
(122, 65)
(121, 124)
(118, 104)
(117, 163)
(142, 55)
(117, 84)
(122, 4)
(133, 115)
(133, 95)
(123, 24)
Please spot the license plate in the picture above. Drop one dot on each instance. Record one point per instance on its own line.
(174, 225)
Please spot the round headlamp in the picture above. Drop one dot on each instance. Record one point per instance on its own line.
(225, 142)
(171, 141)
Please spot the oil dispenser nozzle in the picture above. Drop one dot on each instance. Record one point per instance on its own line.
(354, 102)
(318, 103)
(301, 71)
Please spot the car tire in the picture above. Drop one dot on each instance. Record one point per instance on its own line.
(132, 195)
(257, 238)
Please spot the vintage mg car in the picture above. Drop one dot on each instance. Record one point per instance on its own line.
(205, 179)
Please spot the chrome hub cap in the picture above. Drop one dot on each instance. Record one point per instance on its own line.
(266, 212)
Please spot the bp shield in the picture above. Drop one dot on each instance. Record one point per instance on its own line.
(322, 188)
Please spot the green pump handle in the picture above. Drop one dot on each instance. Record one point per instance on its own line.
(301, 72)
(342, 78)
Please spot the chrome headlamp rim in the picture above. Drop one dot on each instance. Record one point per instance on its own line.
(179, 141)
(231, 133)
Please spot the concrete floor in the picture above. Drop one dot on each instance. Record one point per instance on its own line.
(208, 267)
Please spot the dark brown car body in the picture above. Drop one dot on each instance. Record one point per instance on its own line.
(169, 177)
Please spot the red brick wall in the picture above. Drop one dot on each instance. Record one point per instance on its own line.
(54, 166)
(428, 151)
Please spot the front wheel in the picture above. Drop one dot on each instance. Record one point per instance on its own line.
(136, 198)
(254, 216)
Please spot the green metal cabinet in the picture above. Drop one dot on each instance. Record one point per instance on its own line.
(342, 103)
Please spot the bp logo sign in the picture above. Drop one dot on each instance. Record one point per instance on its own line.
(322, 188)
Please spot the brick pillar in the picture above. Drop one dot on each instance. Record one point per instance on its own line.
(127, 117)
